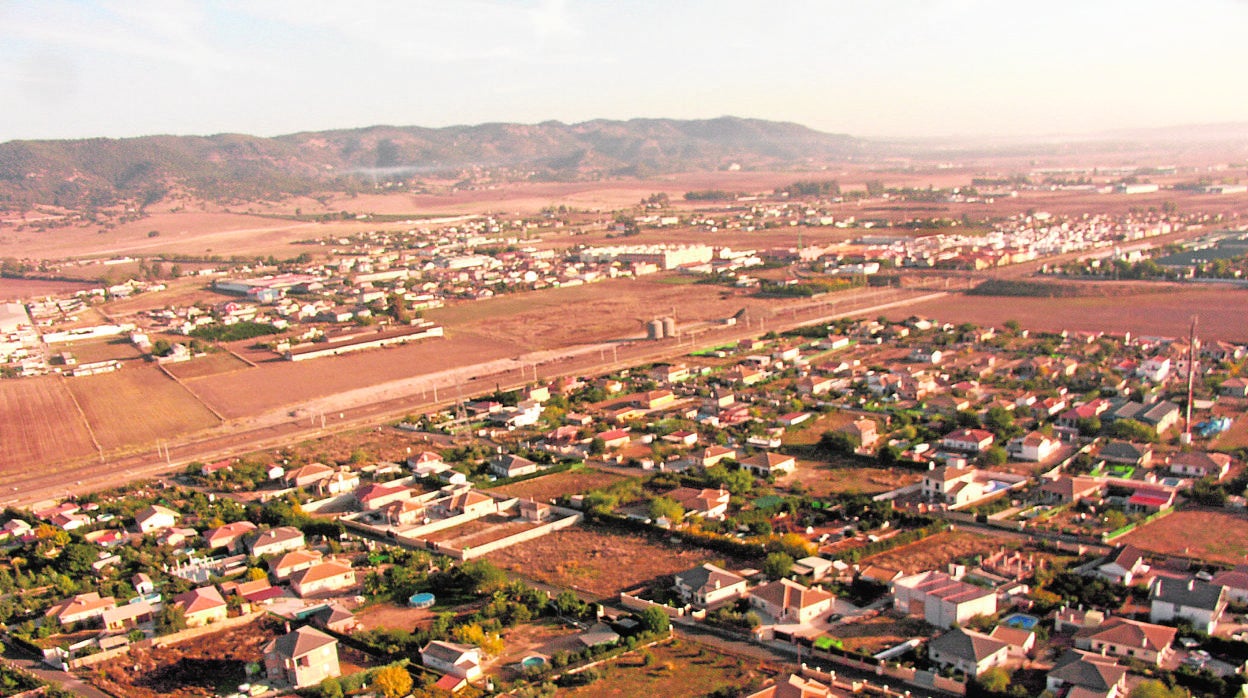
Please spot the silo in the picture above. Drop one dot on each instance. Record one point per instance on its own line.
(654, 329)
(669, 327)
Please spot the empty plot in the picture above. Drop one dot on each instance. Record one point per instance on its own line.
(40, 425)
(139, 405)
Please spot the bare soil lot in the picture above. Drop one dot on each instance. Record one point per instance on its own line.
(388, 615)
(23, 289)
(680, 668)
(40, 424)
(1221, 312)
(1206, 535)
(881, 632)
(548, 487)
(934, 552)
(138, 405)
(204, 666)
(90, 352)
(597, 562)
(821, 479)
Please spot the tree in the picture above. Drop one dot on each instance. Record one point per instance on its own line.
(1152, 688)
(655, 620)
(666, 507)
(841, 442)
(777, 565)
(1131, 430)
(994, 680)
(996, 456)
(171, 619)
(331, 688)
(393, 680)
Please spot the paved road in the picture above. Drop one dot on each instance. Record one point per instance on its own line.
(25, 661)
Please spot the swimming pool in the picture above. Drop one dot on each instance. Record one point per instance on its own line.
(533, 661)
(1021, 620)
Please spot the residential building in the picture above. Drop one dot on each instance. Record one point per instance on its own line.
(302, 658)
(509, 465)
(229, 536)
(1200, 603)
(80, 607)
(1122, 637)
(202, 606)
(790, 602)
(1200, 464)
(941, 599)
(456, 660)
(275, 541)
(709, 586)
(322, 578)
(707, 503)
(968, 440)
(794, 686)
(1078, 674)
(1123, 565)
(1034, 446)
(767, 463)
(967, 651)
(155, 518)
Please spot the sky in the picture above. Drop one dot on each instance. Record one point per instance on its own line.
(869, 68)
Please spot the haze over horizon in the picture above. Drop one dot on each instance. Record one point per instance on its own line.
(889, 69)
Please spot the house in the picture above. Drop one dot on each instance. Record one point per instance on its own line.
(1034, 446)
(614, 438)
(792, 419)
(334, 618)
(1200, 603)
(709, 504)
(712, 455)
(308, 475)
(656, 399)
(1123, 565)
(201, 606)
(814, 385)
(229, 536)
(509, 465)
(945, 482)
(968, 440)
(143, 584)
(253, 590)
(1078, 674)
(941, 599)
(275, 541)
(322, 578)
(1126, 453)
(865, 431)
(597, 635)
(790, 602)
(1151, 500)
(127, 616)
(1069, 489)
(377, 495)
(80, 607)
(467, 503)
(1200, 464)
(176, 536)
(879, 575)
(682, 437)
(767, 463)
(1132, 639)
(670, 373)
(292, 562)
(1234, 387)
(155, 518)
(1235, 582)
(709, 586)
(794, 686)
(456, 660)
(302, 658)
(532, 510)
(816, 567)
(967, 651)
(1020, 641)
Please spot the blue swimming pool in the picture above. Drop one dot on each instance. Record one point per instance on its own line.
(533, 661)
(1021, 620)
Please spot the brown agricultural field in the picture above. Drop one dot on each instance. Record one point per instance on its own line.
(820, 479)
(41, 424)
(210, 365)
(22, 289)
(1204, 535)
(1221, 312)
(89, 352)
(597, 562)
(388, 615)
(138, 405)
(548, 487)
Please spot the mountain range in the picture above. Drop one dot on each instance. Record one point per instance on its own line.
(103, 171)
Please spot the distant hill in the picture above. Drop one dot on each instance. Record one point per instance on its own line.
(101, 171)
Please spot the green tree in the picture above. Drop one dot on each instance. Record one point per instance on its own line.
(1131, 430)
(331, 688)
(840, 442)
(996, 456)
(1152, 688)
(666, 507)
(994, 680)
(171, 619)
(393, 681)
(655, 620)
(777, 565)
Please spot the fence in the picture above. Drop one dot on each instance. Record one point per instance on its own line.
(1110, 535)
(476, 551)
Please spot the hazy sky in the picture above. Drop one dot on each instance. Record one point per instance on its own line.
(863, 67)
